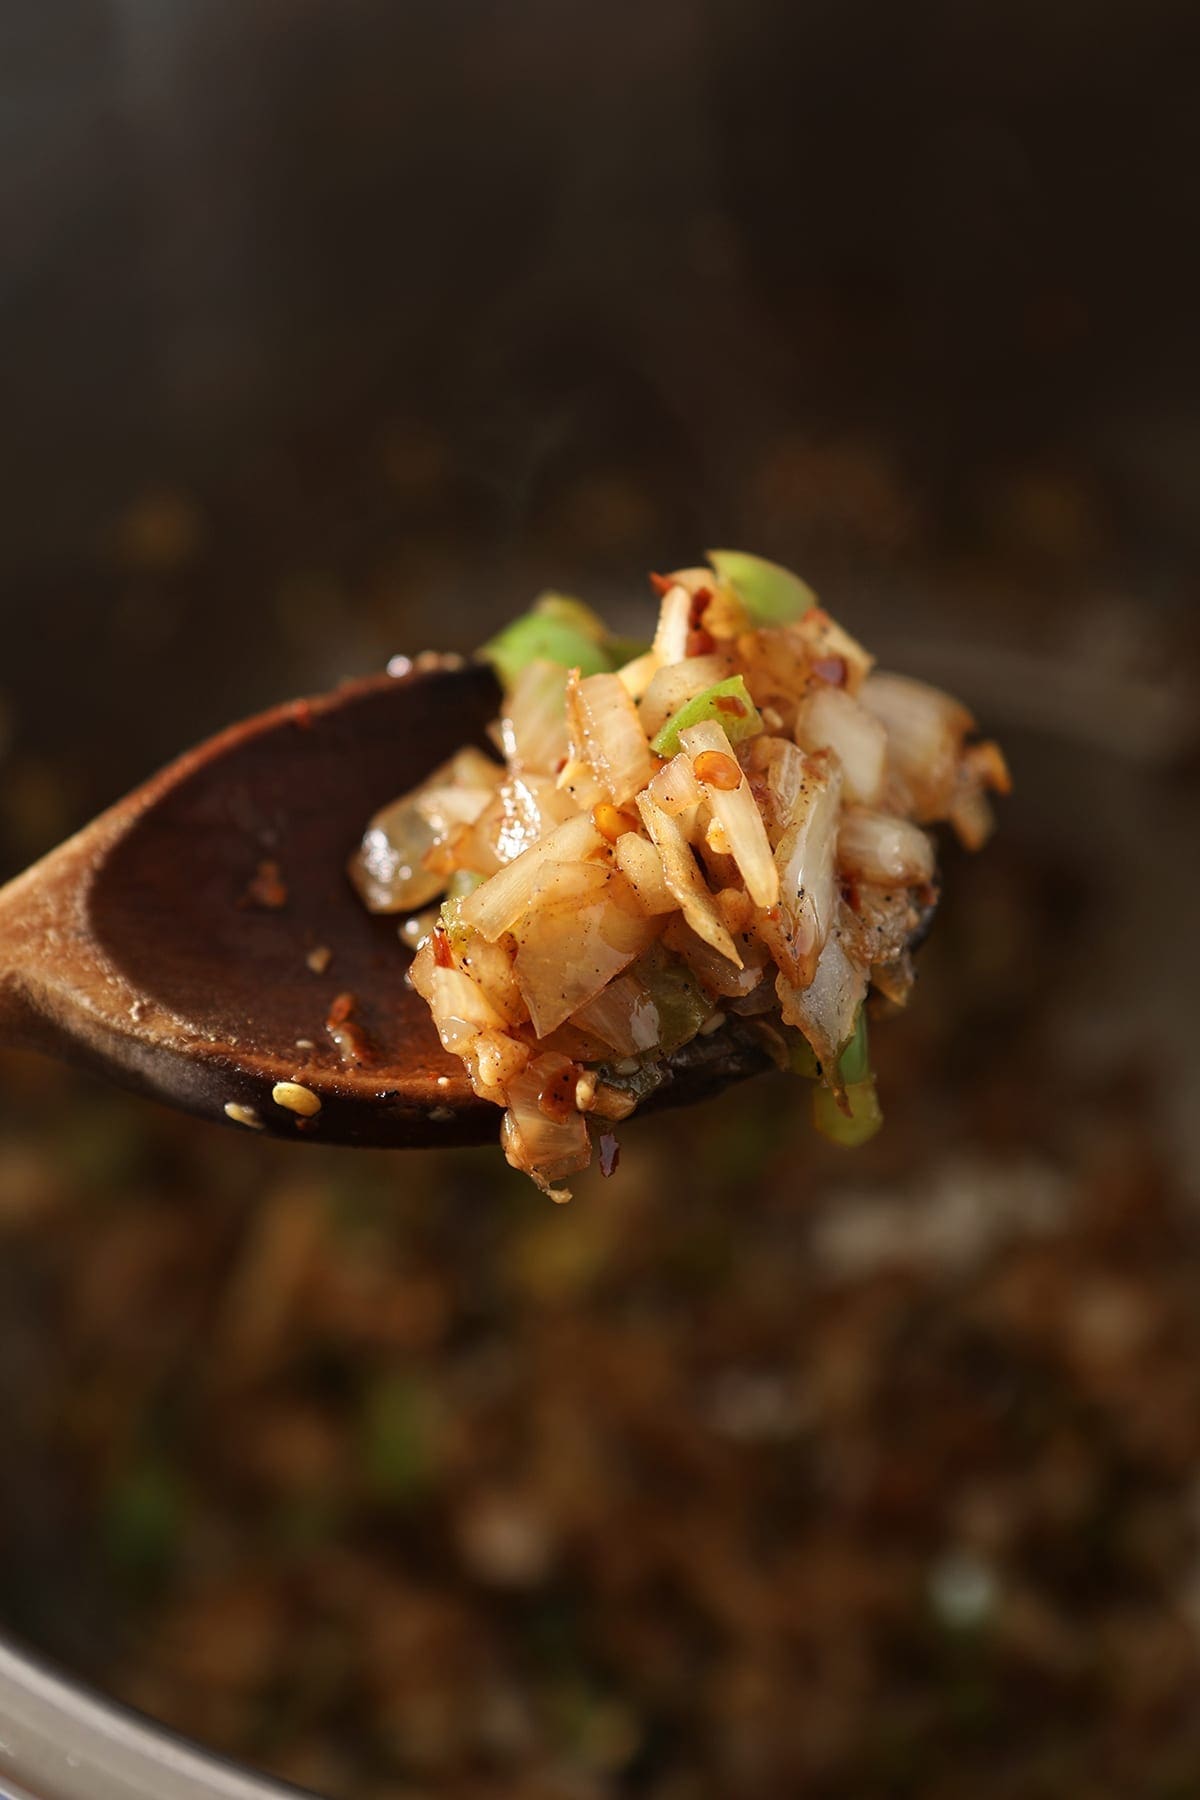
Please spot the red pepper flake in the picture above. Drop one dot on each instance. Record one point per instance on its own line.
(610, 1153)
(700, 643)
(266, 888)
(720, 771)
(352, 1041)
(662, 584)
(698, 606)
(831, 669)
(442, 954)
(729, 703)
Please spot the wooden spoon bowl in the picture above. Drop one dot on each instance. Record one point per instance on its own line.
(167, 944)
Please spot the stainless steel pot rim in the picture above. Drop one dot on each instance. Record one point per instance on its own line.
(59, 1740)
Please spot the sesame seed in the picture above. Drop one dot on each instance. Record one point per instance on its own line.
(296, 1098)
(243, 1115)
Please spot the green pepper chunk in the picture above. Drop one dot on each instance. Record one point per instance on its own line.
(772, 595)
(728, 702)
(558, 630)
(854, 1064)
(681, 1002)
(863, 1121)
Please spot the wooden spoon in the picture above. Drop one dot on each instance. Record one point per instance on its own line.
(161, 947)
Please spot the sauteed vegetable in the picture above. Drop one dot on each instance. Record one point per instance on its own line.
(728, 825)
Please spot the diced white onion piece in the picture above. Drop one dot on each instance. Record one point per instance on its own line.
(444, 807)
(641, 865)
(522, 811)
(973, 819)
(832, 719)
(460, 1007)
(544, 1146)
(677, 683)
(578, 782)
(490, 968)
(925, 730)
(604, 726)
(683, 877)
(826, 1009)
(674, 625)
(805, 860)
(534, 727)
(880, 848)
(387, 867)
(716, 972)
(777, 770)
(624, 1015)
(581, 928)
(500, 901)
(635, 677)
(675, 787)
(498, 1058)
(736, 813)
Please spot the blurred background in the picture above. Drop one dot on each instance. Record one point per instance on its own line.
(335, 328)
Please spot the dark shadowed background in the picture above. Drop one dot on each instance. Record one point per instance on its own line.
(331, 328)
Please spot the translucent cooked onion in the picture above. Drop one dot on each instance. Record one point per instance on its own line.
(581, 928)
(831, 719)
(521, 812)
(677, 683)
(674, 625)
(606, 734)
(537, 1136)
(683, 877)
(881, 848)
(675, 787)
(805, 860)
(533, 726)
(495, 907)
(623, 1015)
(641, 865)
(925, 732)
(734, 808)
(827, 1008)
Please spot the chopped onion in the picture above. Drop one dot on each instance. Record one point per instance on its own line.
(607, 734)
(805, 861)
(683, 877)
(635, 677)
(495, 907)
(624, 1015)
(677, 683)
(541, 1143)
(674, 625)
(522, 811)
(776, 771)
(831, 719)
(533, 728)
(582, 926)
(641, 865)
(711, 967)
(675, 787)
(878, 847)
(827, 1009)
(735, 811)
(925, 731)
